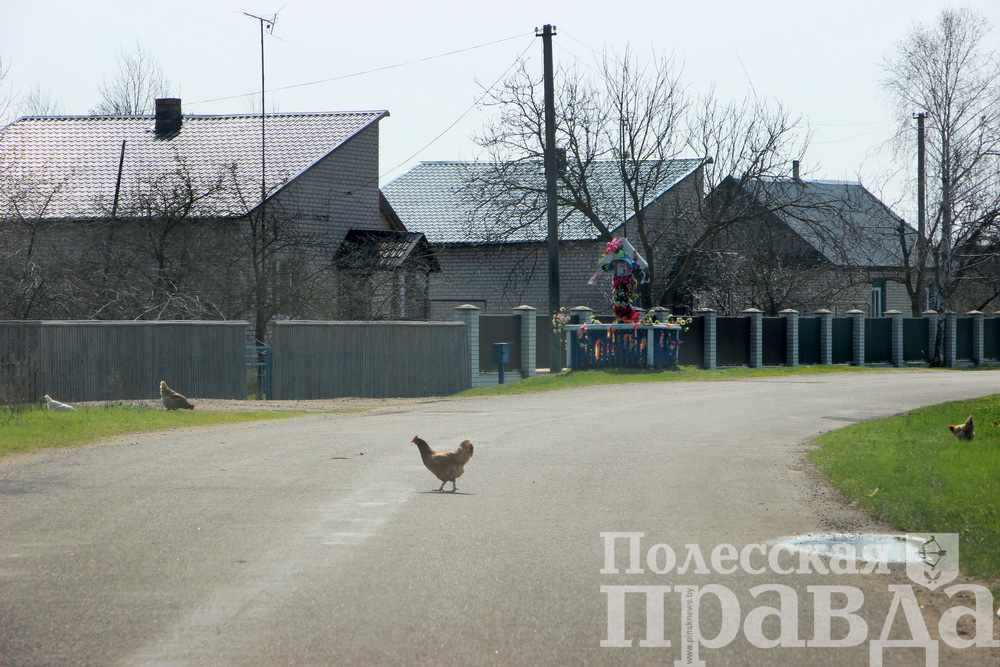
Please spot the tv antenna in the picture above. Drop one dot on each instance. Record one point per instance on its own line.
(268, 25)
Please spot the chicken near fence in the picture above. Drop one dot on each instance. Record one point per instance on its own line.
(53, 404)
(172, 400)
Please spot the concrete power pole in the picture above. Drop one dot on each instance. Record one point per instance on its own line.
(548, 77)
(921, 194)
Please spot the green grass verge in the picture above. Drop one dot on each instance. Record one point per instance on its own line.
(26, 428)
(571, 379)
(911, 471)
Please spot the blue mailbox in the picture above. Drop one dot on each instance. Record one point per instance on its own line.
(501, 356)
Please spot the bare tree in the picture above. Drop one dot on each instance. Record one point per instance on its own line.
(624, 124)
(177, 246)
(765, 264)
(6, 97)
(140, 261)
(150, 257)
(25, 284)
(38, 101)
(946, 72)
(138, 81)
(751, 143)
(632, 120)
(277, 268)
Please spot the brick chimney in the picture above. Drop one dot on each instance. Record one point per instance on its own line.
(795, 168)
(168, 116)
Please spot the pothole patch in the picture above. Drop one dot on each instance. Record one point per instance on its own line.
(877, 548)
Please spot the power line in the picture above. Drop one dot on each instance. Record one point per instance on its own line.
(369, 71)
(374, 181)
(878, 122)
(464, 113)
(857, 136)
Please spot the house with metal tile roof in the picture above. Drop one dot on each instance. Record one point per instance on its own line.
(813, 244)
(491, 242)
(159, 199)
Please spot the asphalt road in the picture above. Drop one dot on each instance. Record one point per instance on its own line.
(318, 540)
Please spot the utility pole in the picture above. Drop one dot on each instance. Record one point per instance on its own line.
(921, 198)
(548, 76)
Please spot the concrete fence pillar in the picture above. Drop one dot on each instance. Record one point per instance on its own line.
(581, 314)
(858, 335)
(469, 314)
(529, 339)
(709, 338)
(825, 335)
(897, 337)
(932, 326)
(978, 342)
(791, 336)
(577, 315)
(660, 314)
(756, 336)
(950, 339)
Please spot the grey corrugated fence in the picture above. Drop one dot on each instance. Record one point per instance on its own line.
(103, 360)
(369, 359)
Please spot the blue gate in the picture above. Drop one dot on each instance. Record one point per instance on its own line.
(622, 346)
(259, 371)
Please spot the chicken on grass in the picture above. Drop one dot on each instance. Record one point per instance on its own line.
(172, 400)
(964, 431)
(53, 404)
(446, 466)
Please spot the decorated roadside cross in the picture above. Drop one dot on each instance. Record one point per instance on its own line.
(628, 342)
(628, 270)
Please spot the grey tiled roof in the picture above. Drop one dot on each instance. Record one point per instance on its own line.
(436, 198)
(846, 223)
(77, 157)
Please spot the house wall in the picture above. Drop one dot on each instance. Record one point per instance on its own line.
(340, 192)
(498, 277)
(834, 289)
(856, 292)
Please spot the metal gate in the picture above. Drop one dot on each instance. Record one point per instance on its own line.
(259, 371)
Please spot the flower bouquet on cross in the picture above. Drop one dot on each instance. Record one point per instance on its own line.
(628, 270)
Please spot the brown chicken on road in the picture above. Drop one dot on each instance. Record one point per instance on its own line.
(446, 466)
(964, 431)
(172, 400)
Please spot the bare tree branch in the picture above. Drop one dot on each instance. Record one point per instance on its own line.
(945, 71)
(131, 91)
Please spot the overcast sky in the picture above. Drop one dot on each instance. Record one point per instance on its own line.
(820, 59)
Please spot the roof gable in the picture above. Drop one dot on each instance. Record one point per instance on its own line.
(436, 198)
(71, 162)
